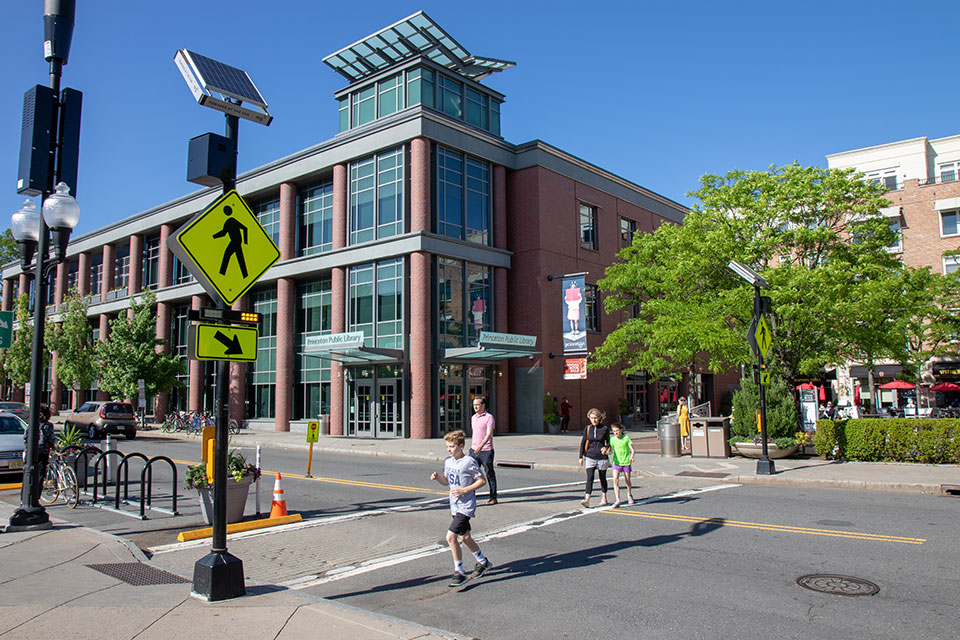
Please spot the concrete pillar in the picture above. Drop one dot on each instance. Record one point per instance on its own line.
(195, 402)
(286, 329)
(338, 291)
(135, 283)
(7, 304)
(421, 364)
(104, 334)
(236, 405)
(83, 274)
(109, 270)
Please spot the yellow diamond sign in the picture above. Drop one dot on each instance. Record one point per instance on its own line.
(225, 248)
(764, 336)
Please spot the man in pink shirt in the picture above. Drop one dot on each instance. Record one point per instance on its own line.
(481, 443)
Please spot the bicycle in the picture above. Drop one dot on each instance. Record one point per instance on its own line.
(60, 480)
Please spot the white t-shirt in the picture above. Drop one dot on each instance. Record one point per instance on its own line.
(462, 473)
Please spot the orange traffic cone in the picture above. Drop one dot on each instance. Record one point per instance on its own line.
(279, 507)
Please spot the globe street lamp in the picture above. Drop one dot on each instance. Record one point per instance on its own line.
(32, 233)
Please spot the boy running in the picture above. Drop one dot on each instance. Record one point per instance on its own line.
(462, 474)
(622, 459)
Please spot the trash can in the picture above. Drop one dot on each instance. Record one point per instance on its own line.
(668, 430)
(698, 439)
(718, 436)
(324, 429)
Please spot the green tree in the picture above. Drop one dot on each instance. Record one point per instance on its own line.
(9, 251)
(928, 317)
(130, 354)
(816, 236)
(18, 358)
(72, 340)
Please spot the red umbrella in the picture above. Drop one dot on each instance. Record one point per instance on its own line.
(945, 386)
(822, 393)
(897, 384)
(856, 395)
(806, 386)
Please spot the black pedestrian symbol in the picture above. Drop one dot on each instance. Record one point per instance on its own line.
(238, 237)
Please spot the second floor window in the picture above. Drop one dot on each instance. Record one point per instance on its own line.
(121, 274)
(268, 213)
(591, 299)
(96, 275)
(316, 219)
(951, 264)
(627, 229)
(463, 197)
(151, 263)
(588, 227)
(376, 196)
(948, 223)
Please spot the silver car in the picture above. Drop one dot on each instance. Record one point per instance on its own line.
(12, 430)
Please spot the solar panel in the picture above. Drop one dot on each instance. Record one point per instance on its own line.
(226, 80)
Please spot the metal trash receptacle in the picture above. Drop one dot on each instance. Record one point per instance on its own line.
(324, 428)
(668, 431)
(718, 437)
(698, 439)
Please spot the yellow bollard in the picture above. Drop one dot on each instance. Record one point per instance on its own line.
(759, 428)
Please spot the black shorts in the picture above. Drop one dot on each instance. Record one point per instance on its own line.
(460, 524)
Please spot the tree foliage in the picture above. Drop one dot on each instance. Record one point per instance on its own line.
(927, 315)
(17, 359)
(130, 353)
(816, 236)
(72, 340)
(8, 247)
(781, 412)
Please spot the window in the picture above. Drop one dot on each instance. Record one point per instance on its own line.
(72, 275)
(180, 273)
(121, 277)
(151, 263)
(376, 303)
(268, 213)
(376, 196)
(96, 275)
(588, 227)
(627, 229)
(477, 111)
(262, 374)
(897, 245)
(949, 171)
(592, 300)
(420, 87)
(364, 106)
(948, 223)
(885, 177)
(390, 95)
(463, 197)
(179, 334)
(344, 111)
(316, 219)
(314, 317)
(463, 292)
(951, 264)
(451, 96)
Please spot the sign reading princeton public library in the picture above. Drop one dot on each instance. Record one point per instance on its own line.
(331, 341)
(488, 339)
(225, 248)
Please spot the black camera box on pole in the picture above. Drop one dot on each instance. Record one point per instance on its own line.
(210, 160)
(68, 160)
(35, 138)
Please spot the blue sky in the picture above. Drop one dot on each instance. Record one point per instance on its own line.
(656, 92)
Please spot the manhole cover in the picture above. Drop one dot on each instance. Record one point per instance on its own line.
(137, 574)
(839, 585)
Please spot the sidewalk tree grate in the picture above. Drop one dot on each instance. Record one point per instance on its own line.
(138, 574)
(838, 585)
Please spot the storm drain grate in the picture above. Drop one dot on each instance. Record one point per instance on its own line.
(137, 574)
(839, 585)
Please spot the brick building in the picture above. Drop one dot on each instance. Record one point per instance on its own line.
(413, 233)
(923, 181)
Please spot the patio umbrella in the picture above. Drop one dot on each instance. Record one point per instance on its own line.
(945, 386)
(856, 395)
(897, 384)
(806, 386)
(822, 393)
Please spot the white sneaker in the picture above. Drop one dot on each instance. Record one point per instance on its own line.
(615, 504)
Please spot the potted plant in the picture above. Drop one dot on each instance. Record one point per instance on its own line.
(551, 414)
(781, 421)
(240, 475)
(626, 412)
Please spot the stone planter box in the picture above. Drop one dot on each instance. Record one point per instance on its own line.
(750, 450)
(236, 500)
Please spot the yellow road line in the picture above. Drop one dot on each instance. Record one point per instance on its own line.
(767, 527)
(353, 483)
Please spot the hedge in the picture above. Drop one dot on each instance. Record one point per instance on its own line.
(931, 441)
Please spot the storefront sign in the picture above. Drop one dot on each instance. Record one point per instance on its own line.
(574, 308)
(351, 340)
(575, 369)
(489, 339)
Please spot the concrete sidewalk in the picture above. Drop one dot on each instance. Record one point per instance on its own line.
(54, 585)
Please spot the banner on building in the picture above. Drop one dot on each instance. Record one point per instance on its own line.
(574, 308)
(575, 369)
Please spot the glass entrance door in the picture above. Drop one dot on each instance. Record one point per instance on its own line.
(362, 408)
(389, 418)
(451, 404)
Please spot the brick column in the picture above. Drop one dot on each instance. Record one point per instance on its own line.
(7, 304)
(288, 221)
(338, 291)
(83, 274)
(195, 402)
(104, 334)
(135, 283)
(165, 260)
(109, 269)
(161, 403)
(421, 362)
(24, 286)
(236, 405)
(501, 319)
(419, 184)
(286, 325)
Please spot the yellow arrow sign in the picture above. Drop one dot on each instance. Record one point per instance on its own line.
(225, 248)
(765, 378)
(764, 336)
(223, 342)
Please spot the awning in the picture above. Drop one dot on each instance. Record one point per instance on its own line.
(494, 347)
(348, 348)
(879, 371)
(947, 371)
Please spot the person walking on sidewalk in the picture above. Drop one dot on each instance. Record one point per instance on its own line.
(594, 449)
(683, 417)
(565, 408)
(622, 454)
(481, 443)
(462, 474)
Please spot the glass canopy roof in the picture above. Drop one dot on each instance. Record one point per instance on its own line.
(416, 35)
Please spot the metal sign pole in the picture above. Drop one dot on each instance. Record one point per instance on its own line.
(765, 466)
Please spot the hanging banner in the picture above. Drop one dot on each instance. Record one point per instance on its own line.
(575, 369)
(574, 311)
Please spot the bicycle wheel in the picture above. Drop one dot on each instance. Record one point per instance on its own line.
(51, 488)
(233, 426)
(68, 487)
(168, 426)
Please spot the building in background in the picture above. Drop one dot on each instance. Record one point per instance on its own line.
(922, 178)
(415, 249)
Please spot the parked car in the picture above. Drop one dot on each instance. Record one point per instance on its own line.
(16, 408)
(98, 418)
(12, 429)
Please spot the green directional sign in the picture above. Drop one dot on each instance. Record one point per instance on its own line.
(223, 342)
(6, 329)
(225, 248)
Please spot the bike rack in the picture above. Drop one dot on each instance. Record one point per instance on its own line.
(123, 466)
(96, 472)
(147, 472)
(146, 481)
(85, 452)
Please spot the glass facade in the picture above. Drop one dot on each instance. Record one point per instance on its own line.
(314, 317)
(151, 262)
(96, 275)
(375, 303)
(376, 196)
(462, 206)
(121, 274)
(464, 302)
(316, 219)
(262, 374)
(268, 213)
(179, 332)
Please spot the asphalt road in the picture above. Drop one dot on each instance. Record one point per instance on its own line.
(693, 559)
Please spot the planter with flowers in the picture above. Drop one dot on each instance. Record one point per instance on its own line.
(240, 475)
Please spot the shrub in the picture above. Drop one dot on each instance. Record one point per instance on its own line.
(932, 441)
(781, 414)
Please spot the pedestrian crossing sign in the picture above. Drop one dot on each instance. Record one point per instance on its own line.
(225, 248)
(763, 336)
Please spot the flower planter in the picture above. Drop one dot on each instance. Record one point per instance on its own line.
(553, 427)
(236, 500)
(751, 450)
